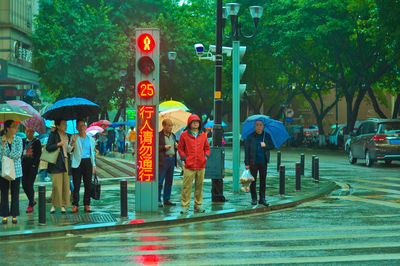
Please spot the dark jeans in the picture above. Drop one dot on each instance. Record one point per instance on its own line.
(167, 173)
(121, 146)
(102, 148)
(261, 168)
(84, 170)
(28, 179)
(4, 206)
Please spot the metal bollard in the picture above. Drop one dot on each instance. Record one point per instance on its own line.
(282, 180)
(302, 161)
(124, 198)
(316, 169)
(298, 176)
(42, 205)
(312, 166)
(278, 160)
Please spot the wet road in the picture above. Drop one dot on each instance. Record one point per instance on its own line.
(358, 224)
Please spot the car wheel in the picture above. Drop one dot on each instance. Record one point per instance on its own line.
(368, 161)
(352, 160)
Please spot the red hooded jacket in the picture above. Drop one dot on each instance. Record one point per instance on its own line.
(194, 150)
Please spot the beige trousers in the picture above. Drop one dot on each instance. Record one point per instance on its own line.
(60, 196)
(188, 176)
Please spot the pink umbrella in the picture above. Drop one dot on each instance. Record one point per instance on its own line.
(94, 130)
(104, 122)
(35, 122)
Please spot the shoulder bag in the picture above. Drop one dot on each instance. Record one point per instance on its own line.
(96, 188)
(50, 157)
(8, 168)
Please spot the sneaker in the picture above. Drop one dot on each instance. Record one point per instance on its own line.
(29, 209)
(198, 209)
(87, 208)
(262, 202)
(160, 204)
(254, 202)
(184, 210)
(14, 220)
(74, 209)
(168, 203)
(4, 221)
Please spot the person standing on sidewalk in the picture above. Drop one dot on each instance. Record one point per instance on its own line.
(132, 139)
(58, 139)
(166, 161)
(11, 146)
(257, 146)
(83, 165)
(30, 164)
(194, 150)
(121, 139)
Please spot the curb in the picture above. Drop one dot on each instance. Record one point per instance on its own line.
(172, 220)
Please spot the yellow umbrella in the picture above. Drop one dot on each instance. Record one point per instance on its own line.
(171, 104)
(178, 117)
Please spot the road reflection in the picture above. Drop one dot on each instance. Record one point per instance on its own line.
(148, 258)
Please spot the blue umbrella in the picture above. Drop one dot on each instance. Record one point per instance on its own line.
(71, 126)
(117, 124)
(179, 132)
(131, 123)
(211, 124)
(71, 108)
(274, 128)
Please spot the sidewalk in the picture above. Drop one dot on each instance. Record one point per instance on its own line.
(106, 215)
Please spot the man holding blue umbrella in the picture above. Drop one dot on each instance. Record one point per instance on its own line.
(257, 146)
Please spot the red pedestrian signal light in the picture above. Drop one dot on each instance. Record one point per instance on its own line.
(146, 43)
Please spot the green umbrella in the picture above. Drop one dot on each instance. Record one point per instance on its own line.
(12, 112)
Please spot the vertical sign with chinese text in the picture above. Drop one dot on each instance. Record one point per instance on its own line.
(147, 99)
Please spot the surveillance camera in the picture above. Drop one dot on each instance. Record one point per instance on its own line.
(199, 49)
(225, 50)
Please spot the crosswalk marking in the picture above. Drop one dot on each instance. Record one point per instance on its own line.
(263, 261)
(247, 232)
(236, 249)
(391, 178)
(236, 240)
(376, 182)
(379, 189)
(378, 202)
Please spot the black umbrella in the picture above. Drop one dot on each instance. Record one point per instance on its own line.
(71, 108)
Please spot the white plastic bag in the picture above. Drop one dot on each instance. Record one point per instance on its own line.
(245, 179)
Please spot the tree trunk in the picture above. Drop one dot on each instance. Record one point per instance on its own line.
(396, 109)
(118, 115)
(375, 103)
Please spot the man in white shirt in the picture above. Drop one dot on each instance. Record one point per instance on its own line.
(83, 165)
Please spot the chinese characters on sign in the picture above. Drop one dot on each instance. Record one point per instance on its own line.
(146, 143)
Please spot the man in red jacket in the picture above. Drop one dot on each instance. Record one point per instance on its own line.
(194, 150)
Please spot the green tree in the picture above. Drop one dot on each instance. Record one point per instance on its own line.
(78, 50)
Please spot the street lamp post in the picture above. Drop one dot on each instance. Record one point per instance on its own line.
(232, 10)
(123, 77)
(217, 191)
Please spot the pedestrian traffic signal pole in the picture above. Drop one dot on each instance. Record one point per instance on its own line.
(217, 190)
(147, 74)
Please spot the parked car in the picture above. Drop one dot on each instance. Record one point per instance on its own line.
(376, 139)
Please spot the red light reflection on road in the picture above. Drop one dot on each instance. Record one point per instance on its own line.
(150, 259)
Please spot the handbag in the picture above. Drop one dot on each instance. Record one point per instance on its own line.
(96, 188)
(50, 157)
(8, 168)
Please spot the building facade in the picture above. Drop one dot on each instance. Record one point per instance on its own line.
(17, 76)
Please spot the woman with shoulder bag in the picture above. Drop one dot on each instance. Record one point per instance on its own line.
(11, 146)
(58, 139)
